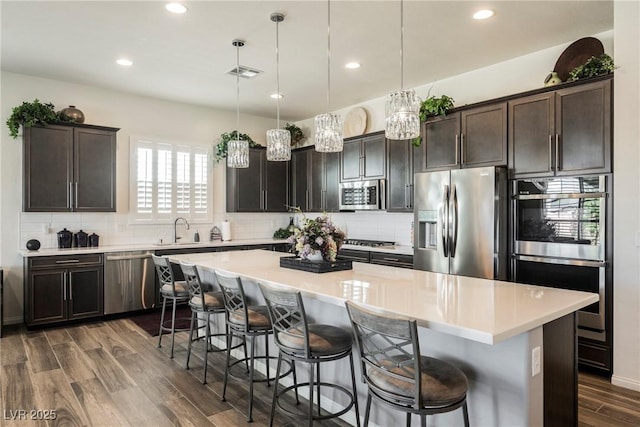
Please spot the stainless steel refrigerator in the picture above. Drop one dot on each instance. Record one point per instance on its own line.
(460, 222)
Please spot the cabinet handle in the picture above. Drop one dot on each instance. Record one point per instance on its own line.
(71, 201)
(68, 261)
(75, 198)
(264, 198)
(70, 286)
(306, 198)
(362, 171)
(456, 149)
(390, 259)
(462, 150)
(64, 287)
(550, 152)
(558, 162)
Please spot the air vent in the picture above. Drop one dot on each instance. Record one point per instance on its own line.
(244, 72)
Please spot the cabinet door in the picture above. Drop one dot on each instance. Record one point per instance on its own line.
(85, 292)
(531, 127)
(583, 126)
(300, 178)
(399, 176)
(483, 139)
(48, 156)
(332, 182)
(46, 295)
(276, 186)
(94, 166)
(244, 185)
(374, 151)
(351, 160)
(316, 187)
(440, 143)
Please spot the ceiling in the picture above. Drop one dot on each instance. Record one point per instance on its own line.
(186, 57)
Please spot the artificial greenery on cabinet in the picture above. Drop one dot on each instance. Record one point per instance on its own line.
(34, 113)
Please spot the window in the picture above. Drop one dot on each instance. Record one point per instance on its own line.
(169, 180)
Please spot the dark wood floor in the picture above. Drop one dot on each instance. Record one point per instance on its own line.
(112, 373)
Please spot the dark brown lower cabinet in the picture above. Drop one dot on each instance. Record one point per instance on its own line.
(62, 288)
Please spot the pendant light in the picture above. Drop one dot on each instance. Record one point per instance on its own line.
(328, 126)
(402, 120)
(238, 149)
(278, 140)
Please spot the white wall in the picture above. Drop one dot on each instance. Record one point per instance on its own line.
(626, 187)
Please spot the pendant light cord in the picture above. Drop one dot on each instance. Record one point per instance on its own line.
(401, 45)
(277, 76)
(329, 55)
(237, 92)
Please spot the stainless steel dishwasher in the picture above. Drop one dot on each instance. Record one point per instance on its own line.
(129, 281)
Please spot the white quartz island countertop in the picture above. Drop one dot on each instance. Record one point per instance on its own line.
(485, 311)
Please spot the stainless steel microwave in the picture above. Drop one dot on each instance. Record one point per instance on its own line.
(363, 195)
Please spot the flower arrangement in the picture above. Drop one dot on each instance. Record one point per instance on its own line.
(318, 234)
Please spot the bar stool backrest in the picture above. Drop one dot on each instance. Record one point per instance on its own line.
(288, 318)
(234, 298)
(165, 273)
(389, 348)
(191, 276)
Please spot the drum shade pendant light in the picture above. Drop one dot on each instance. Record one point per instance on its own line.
(402, 108)
(328, 126)
(278, 140)
(238, 149)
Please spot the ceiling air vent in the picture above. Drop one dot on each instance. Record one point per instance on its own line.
(244, 72)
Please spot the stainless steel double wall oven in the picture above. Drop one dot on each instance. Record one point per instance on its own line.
(561, 237)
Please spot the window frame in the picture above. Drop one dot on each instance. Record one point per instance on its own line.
(195, 152)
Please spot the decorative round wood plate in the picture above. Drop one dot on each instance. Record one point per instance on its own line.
(356, 122)
(577, 54)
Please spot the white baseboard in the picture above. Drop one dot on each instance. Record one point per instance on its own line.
(629, 383)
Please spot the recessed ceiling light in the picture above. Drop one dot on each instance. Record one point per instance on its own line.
(483, 14)
(352, 65)
(124, 62)
(175, 8)
(276, 95)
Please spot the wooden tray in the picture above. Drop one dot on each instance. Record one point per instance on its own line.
(315, 267)
(577, 54)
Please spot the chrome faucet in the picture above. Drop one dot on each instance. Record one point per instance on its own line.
(175, 228)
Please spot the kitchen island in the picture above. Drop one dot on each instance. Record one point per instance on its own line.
(516, 343)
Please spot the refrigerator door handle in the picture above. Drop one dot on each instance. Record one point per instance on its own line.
(453, 218)
(444, 220)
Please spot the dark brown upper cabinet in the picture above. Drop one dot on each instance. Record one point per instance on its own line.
(563, 132)
(262, 187)
(400, 176)
(364, 158)
(69, 168)
(472, 137)
(315, 177)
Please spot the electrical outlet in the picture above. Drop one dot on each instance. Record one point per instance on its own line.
(535, 361)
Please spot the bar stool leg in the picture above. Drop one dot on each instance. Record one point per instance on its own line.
(253, 347)
(465, 414)
(408, 419)
(423, 421)
(295, 380)
(164, 306)
(206, 347)
(266, 346)
(355, 391)
(318, 377)
(311, 382)
(367, 410)
(226, 368)
(173, 326)
(275, 390)
(193, 318)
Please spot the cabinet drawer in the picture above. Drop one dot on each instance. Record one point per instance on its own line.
(394, 260)
(65, 261)
(353, 255)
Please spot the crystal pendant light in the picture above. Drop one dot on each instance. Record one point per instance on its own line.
(278, 140)
(238, 149)
(402, 120)
(328, 126)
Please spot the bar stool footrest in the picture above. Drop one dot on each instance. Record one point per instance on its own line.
(305, 414)
(259, 380)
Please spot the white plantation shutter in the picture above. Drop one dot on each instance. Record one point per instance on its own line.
(170, 180)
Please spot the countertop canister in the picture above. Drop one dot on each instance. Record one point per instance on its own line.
(226, 230)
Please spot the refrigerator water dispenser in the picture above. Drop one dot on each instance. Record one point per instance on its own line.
(427, 229)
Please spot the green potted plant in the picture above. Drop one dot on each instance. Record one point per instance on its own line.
(296, 133)
(433, 106)
(222, 146)
(595, 66)
(31, 114)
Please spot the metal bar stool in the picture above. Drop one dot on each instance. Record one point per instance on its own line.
(245, 321)
(205, 304)
(397, 375)
(169, 290)
(300, 341)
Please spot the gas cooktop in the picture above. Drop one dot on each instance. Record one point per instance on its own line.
(370, 243)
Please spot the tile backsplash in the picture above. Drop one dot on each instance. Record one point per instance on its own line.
(115, 229)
